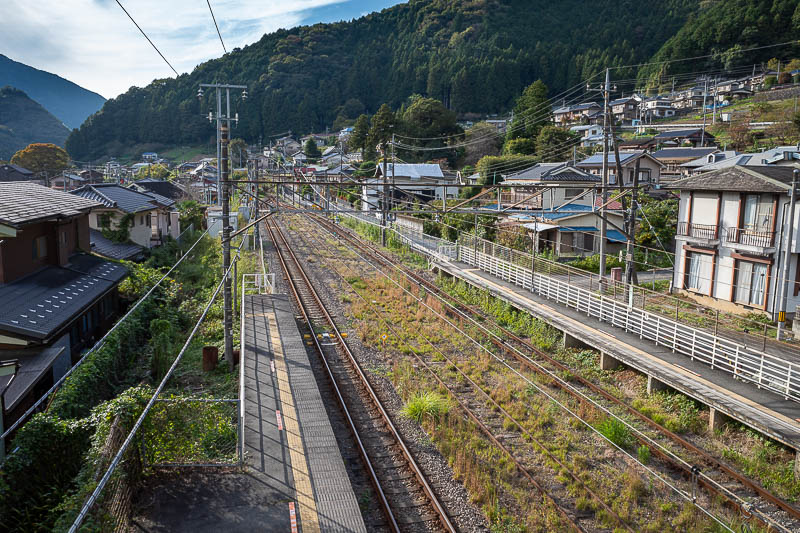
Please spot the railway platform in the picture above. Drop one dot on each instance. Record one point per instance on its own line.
(725, 395)
(289, 442)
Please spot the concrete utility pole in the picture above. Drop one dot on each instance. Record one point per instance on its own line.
(703, 135)
(787, 253)
(606, 89)
(223, 197)
(385, 203)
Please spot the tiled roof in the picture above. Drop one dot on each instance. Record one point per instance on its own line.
(597, 159)
(678, 134)
(11, 172)
(39, 305)
(768, 178)
(683, 153)
(550, 172)
(115, 196)
(111, 249)
(162, 187)
(22, 202)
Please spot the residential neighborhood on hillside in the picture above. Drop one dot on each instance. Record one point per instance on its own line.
(349, 266)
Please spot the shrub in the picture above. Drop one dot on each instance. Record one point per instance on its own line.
(426, 404)
(644, 454)
(617, 432)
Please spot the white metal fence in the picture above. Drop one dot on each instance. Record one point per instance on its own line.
(747, 364)
(258, 283)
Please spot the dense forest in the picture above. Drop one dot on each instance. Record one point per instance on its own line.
(23, 121)
(475, 56)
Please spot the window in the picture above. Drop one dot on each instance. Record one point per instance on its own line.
(40, 247)
(104, 220)
(571, 193)
(757, 212)
(698, 277)
(64, 238)
(751, 279)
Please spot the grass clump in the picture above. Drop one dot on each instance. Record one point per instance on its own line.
(617, 432)
(426, 405)
(644, 454)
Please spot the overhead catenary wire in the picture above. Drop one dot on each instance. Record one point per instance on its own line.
(148, 38)
(99, 344)
(216, 26)
(126, 443)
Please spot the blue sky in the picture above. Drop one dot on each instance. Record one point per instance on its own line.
(95, 45)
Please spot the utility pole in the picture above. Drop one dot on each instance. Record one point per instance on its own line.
(223, 197)
(604, 183)
(714, 109)
(385, 203)
(787, 249)
(705, 93)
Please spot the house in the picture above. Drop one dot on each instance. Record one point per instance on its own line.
(57, 298)
(649, 167)
(688, 99)
(500, 124)
(591, 134)
(576, 113)
(693, 137)
(780, 156)
(673, 158)
(149, 156)
(624, 110)
(573, 230)
(149, 218)
(694, 166)
(67, 182)
(10, 172)
(163, 188)
(558, 183)
(731, 239)
(657, 107)
(299, 158)
(408, 182)
(92, 176)
(288, 145)
(639, 143)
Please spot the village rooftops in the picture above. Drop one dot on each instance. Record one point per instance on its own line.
(683, 153)
(163, 188)
(23, 203)
(114, 196)
(550, 172)
(596, 160)
(766, 178)
(411, 171)
(11, 172)
(680, 134)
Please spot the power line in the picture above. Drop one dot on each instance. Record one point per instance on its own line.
(148, 38)
(216, 26)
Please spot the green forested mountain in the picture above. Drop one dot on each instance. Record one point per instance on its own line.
(474, 55)
(67, 101)
(723, 28)
(23, 121)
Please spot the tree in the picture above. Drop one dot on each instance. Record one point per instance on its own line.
(237, 148)
(383, 123)
(43, 159)
(492, 168)
(554, 144)
(531, 112)
(311, 150)
(520, 146)
(155, 171)
(358, 139)
(481, 139)
(429, 124)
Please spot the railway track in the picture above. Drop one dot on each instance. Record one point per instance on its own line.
(408, 501)
(717, 478)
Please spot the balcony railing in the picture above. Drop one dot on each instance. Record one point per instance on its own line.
(751, 237)
(700, 231)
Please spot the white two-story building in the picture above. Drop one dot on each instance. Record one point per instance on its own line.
(732, 230)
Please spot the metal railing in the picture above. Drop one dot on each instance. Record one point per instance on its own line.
(747, 364)
(751, 237)
(700, 231)
(258, 284)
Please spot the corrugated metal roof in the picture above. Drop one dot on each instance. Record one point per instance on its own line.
(414, 171)
(23, 202)
(683, 153)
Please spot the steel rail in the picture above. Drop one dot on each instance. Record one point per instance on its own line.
(495, 440)
(686, 470)
(436, 504)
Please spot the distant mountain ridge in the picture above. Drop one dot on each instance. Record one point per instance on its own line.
(67, 101)
(24, 121)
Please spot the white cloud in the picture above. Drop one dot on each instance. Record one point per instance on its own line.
(94, 44)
